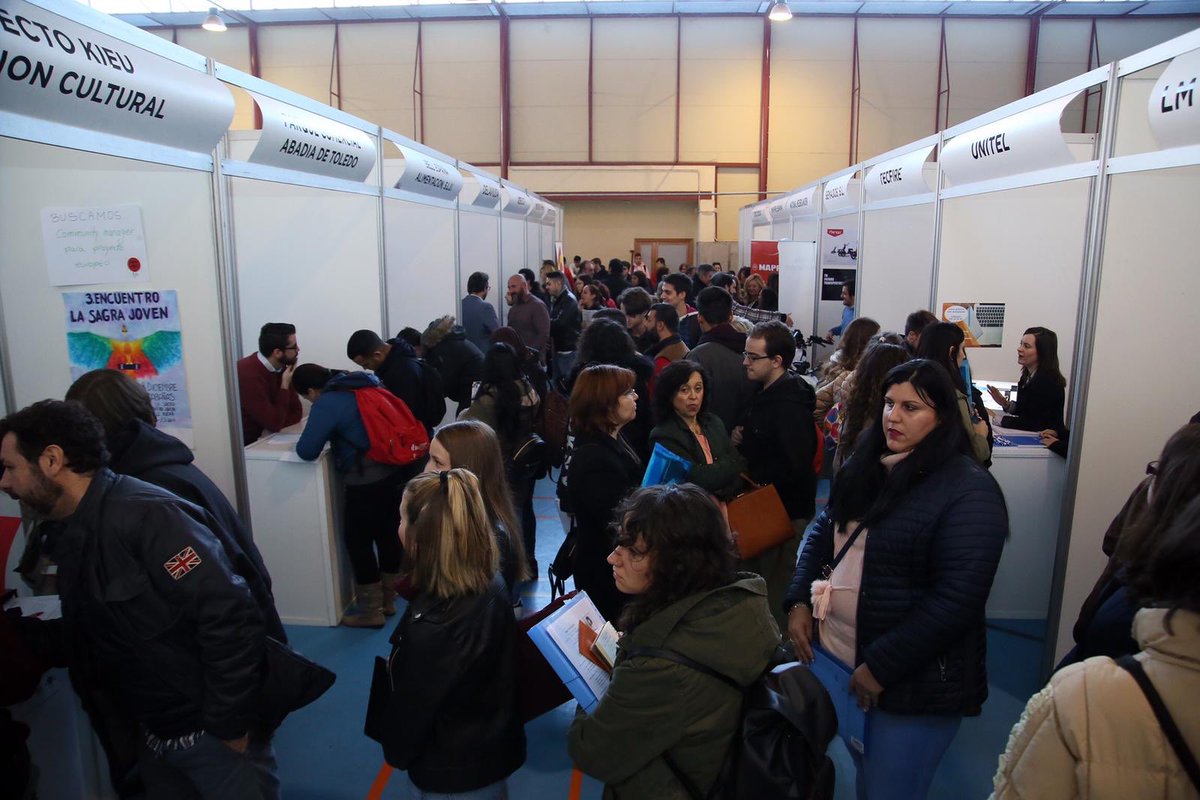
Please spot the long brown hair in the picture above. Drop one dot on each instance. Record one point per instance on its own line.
(474, 446)
(114, 398)
(449, 547)
(867, 391)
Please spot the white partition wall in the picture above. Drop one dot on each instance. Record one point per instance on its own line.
(515, 206)
(1144, 294)
(420, 257)
(781, 220)
(479, 237)
(838, 248)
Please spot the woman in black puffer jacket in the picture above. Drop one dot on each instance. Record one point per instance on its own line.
(922, 525)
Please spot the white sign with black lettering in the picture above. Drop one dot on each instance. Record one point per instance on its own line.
(1026, 142)
(804, 203)
(778, 209)
(429, 176)
(489, 193)
(840, 194)
(902, 176)
(538, 211)
(300, 140)
(759, 215)
(94, 244)
(60, 71)
(516, 202)
(1174, 107)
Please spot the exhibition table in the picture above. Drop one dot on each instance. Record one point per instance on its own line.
(296, 514)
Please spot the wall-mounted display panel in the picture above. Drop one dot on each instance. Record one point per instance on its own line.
(422, 276)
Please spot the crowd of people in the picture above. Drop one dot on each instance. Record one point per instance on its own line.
(169, 623)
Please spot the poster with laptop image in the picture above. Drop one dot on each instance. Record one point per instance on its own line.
(983, 323)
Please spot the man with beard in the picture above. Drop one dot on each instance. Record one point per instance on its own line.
(528, 316)
(269, 403)
(156, 626)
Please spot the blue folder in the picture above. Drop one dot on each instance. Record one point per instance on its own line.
(562, 667)
(665, 467)
(853, 722)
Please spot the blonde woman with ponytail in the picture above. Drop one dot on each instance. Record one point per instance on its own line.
(452, 719)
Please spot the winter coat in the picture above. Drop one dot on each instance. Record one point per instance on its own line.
(335, 418)
(654, 706)
(720, 351)
(667, 351)
(1039, 405)
(1091, 734)
(459, 362)
(637, 432)
(723, 477)
(601, 472)
(146, 453)
(404, 376)
(453, 719)
(779, 442)
(566, 320)
(927, 572)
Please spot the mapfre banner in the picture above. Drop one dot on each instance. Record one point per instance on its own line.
(60, 71)
(764, 258)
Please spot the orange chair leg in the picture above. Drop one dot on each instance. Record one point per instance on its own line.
(385, 772)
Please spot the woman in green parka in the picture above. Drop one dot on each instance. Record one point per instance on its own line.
(674, 556)
(687, 428)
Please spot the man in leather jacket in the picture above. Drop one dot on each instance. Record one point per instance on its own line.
(155, 622)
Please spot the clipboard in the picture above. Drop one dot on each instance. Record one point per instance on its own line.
(568, 666)
(854, 724)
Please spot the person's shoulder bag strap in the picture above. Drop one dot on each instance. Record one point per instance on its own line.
(1169, 728)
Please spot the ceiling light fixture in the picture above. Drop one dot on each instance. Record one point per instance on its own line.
(214, 23)
(779, 11)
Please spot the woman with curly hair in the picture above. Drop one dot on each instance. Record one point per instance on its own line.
(858, 335)
(661, 723)
(862, 394)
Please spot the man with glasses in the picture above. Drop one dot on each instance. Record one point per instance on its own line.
(269, 403)
(779, 445)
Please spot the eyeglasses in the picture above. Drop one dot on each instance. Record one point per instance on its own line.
(747, 355)
(294, 347)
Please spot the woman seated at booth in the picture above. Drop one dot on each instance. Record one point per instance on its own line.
(448, 712)
(470, 444)
(687, 428)
(659, 719)
(896, 574)
(942, 343)
(1042, 389)
(373, 489)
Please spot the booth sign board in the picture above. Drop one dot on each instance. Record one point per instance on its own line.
(489, 193)
(57, 70)
(516, 202)
(1174, 108)
(551, 216)
(429, 176)
(839, 195)
(903, 176)
(764, 258)
(538, 211)
(300, 140)
(779, 209)
(803, 203)
(1026, 142)
(760, 215)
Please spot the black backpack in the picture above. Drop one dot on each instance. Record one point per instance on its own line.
(779, 750)
(433, 394)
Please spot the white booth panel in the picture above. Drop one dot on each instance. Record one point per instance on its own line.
(762, 233)
(177, 219)
(310, 257)
(896, 269)
(781, 229)
(422, 282)
(512, 247)
(548, 240)
(479, 251)
(1142, 294)
(1024, 248)
(533, 246)
(838, 253)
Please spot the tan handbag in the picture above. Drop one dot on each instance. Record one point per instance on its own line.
(758, 520)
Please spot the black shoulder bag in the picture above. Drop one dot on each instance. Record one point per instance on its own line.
(1169, 728)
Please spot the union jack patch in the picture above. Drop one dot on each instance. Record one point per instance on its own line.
(182, 563)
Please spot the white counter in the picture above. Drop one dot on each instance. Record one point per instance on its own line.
(296, 514)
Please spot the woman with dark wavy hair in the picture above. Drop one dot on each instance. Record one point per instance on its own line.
(862, 394)
(674, 557)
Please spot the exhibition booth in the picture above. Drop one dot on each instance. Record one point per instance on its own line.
(1005, 222)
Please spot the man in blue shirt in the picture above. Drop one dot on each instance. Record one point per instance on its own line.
(847, 310)
(478, 315)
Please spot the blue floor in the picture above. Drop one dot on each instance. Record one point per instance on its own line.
(323, 754)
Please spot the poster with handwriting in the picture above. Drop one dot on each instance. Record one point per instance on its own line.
(95, 244)
(139, 334)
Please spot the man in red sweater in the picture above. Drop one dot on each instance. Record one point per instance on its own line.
(269, 403)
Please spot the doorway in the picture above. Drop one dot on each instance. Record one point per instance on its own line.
(673, 251)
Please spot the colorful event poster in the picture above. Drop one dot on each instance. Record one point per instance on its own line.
(138, 333)
(982, 323)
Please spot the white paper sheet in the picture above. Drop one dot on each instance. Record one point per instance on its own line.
(564, 630)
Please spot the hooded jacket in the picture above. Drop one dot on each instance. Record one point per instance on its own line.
(335, 418)
(779, 442)
(404, 376)
(146, 453)
(459, 362)
(1091, 734)
(654, 706)
(720, 351)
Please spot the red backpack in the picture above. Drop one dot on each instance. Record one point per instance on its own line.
(396, 436)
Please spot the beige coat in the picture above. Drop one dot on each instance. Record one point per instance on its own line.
(1090, 734)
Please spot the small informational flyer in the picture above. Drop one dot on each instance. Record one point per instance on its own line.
(140, 334)
(832, 280)
(94, 244)
(982, 323)
(839, 243)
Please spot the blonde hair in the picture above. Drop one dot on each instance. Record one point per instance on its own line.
(473, 445)
(450, 548)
